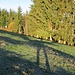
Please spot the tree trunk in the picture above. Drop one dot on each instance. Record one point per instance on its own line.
(59, 41)
(64, 42)
(26, 29)
(50, 38)
(19, 29)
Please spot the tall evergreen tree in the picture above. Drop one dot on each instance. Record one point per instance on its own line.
(19, 19)
(52, 18)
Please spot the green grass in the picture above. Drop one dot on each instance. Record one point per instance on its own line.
(24, 55)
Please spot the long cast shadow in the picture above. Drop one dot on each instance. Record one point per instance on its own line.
(39, 45)
(12, 63)
(45, 54)
(35, 43)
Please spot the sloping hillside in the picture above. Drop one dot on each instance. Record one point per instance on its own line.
(24, 55)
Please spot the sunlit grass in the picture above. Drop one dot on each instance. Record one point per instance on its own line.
(21, 53)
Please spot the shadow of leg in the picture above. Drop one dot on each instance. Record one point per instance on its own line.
(38, 60)
(47, 62)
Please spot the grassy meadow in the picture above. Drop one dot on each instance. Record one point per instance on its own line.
(25, 55)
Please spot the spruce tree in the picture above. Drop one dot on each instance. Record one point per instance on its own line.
(19, 19)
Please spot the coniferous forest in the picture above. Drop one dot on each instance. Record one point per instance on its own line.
(52, 20)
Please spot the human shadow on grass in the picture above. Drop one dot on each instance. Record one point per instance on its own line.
(9, 40)
(41, 45)
(34, 43)
(12, 63)
(45, 56)
(46, 50)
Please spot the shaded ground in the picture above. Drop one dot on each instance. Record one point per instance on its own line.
(23, 55)
(12, 64)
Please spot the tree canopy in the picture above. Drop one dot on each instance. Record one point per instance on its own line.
(48, 19)
(54, 19)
